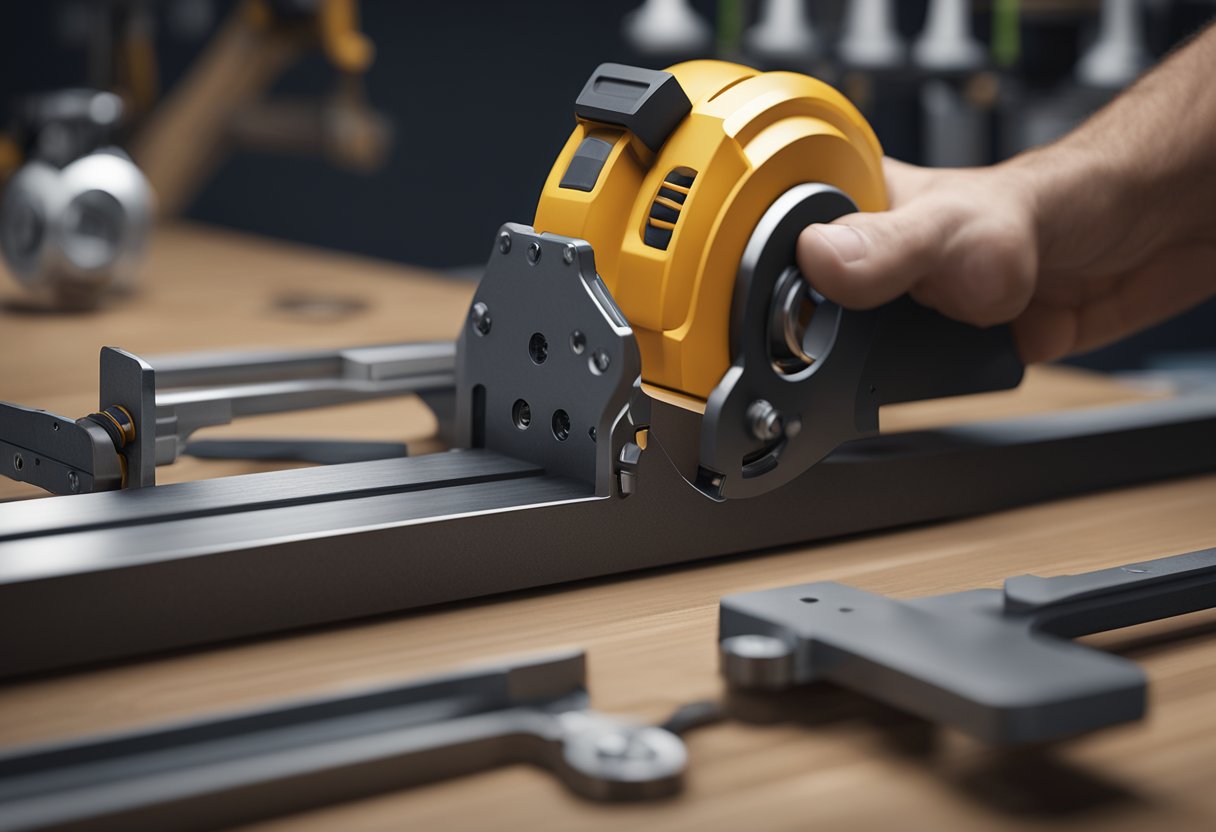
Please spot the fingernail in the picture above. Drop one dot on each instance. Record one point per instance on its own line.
(847, 241)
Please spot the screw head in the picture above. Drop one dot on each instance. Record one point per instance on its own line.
(479, 316)
(764, 420)
(74, 482)
(569, 253)
(504, 242)
(533, 253)
(599, 362)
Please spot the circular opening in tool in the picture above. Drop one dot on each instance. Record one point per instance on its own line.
(538, 348)
(561, 425)
(578, 342)
(792, 309)
(809, 600)
(521, 414)
(18, 462)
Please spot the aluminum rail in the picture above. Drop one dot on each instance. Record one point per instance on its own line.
(120, 574)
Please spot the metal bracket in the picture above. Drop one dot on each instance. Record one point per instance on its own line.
(546, 364)
(997, 665)
(126, 380)
(240, 767)
(768, 422)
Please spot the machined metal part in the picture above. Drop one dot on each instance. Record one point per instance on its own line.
(830, 374)
(79, 457)
(221, 387)
(103, 576)
(72, 235)
(999, 665)
(99, 452)
(550, 378)
(130, 383)
(56, 453)
(233, 768)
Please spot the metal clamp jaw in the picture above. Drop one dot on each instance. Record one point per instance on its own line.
(999, 665)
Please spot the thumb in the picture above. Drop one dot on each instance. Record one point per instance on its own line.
(866, 259)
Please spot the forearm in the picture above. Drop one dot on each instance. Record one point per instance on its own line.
(1136, 178)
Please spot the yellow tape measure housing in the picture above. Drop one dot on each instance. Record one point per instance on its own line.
(747, 138)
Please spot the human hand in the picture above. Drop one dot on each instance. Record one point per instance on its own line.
(1010, 243)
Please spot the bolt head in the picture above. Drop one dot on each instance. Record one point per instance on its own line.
(533, 253)
(504, 242)
(74, 482)
(600, 361)
(479, 317)
(764, 420)
(569, 253)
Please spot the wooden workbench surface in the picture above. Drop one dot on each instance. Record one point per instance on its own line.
(824, 760)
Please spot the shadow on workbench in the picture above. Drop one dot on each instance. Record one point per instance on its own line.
(1030, 782)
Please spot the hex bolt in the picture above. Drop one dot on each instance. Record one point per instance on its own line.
(599, 362)
(624, 745)
(569, 253)
(74, 482)
(504, 242)
(764, 420)
(533, 253)
(480, 318)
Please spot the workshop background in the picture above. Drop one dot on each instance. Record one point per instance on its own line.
(478, 96)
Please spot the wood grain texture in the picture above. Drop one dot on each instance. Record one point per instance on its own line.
(820, 759)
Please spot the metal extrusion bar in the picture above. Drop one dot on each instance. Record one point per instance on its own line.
(120, 574)
(225, 386)
(239, 767)
(372, 363)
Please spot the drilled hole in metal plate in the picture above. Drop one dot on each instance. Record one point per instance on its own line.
(578, 342)
(561, 425)
(538, 347)
(809, 600)
(521, 414)
(18, 462)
